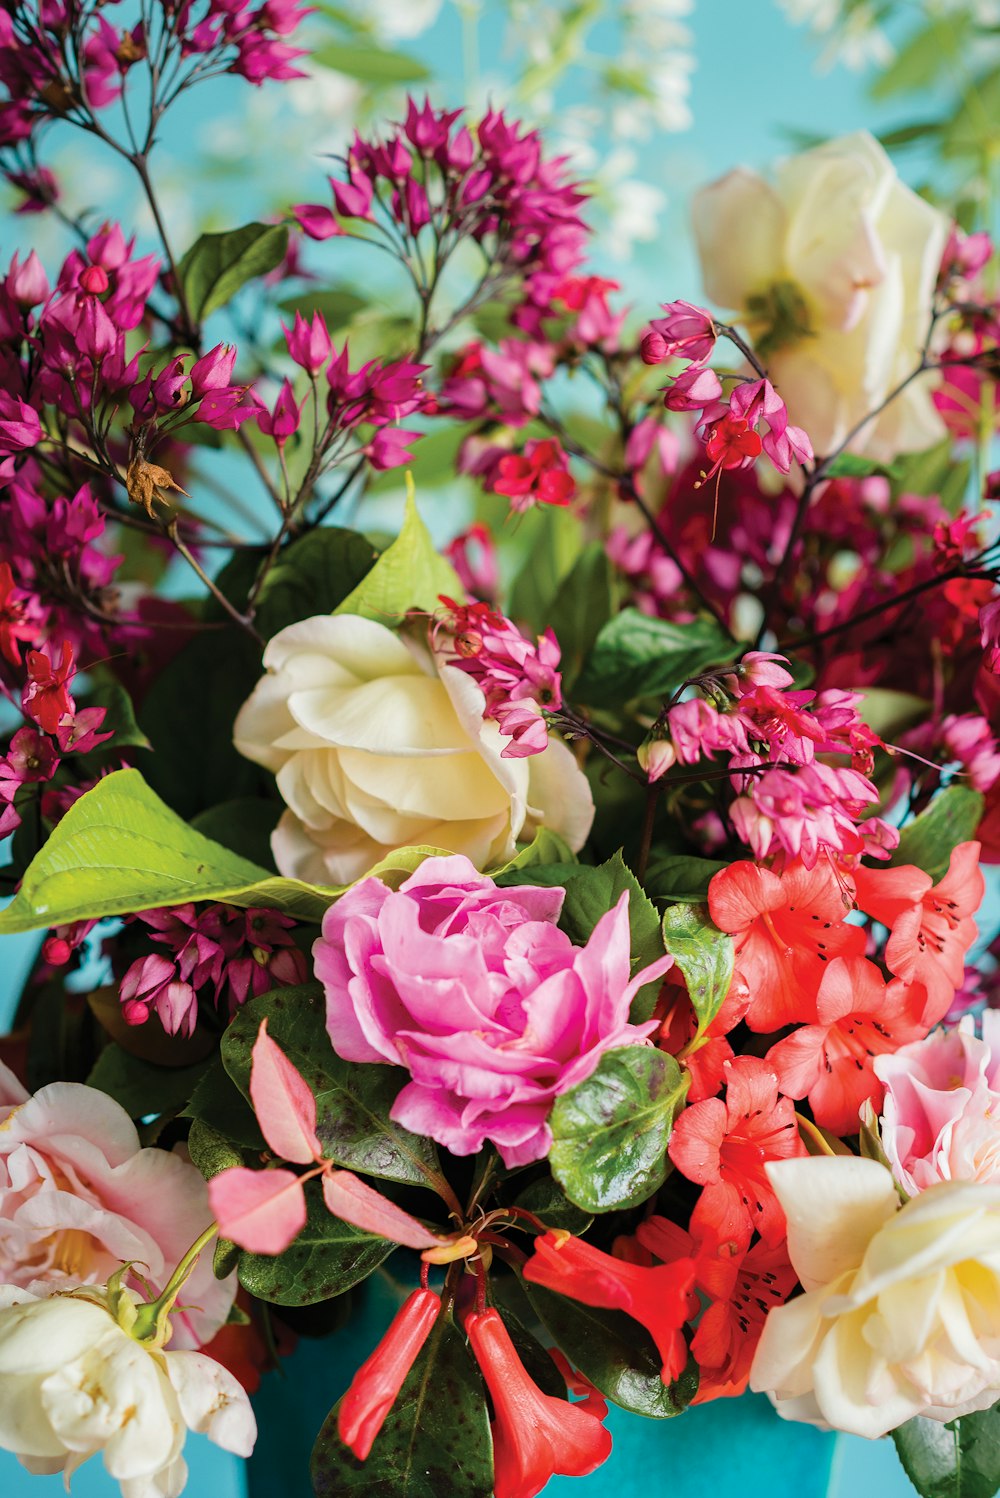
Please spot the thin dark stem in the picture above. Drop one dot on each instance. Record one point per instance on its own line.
(802, 642)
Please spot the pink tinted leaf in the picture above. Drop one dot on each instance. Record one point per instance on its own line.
(260, 1210)
(353, 1201)
(282, 1101)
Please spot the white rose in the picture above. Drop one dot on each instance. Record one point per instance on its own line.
(901, 1314)
(376, 745)
(833, 268)
(74, 1383)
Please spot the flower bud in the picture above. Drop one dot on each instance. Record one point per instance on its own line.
(656, 755)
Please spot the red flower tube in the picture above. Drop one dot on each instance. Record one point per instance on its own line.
(660, 1298)
(378, 1381)
(535, 1436)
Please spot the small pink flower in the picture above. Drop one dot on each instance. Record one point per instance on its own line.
(687, 332)
(478, 994)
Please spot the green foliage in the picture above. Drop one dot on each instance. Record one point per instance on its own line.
(552, 541)
(217, 265)
(410, 574)
(352, 1100)
(637, 656)
(682, 878)
(370, 64)
(615, 1353)
(951, 818)
(338, 304)
(141, 1087)
(119, 716)
(960, 1460)
(583, 603)
(549, 1202)
(704, 955)
(328, 1257)
(313, 576)
(435, 1440)
(854, 466)
(244, 825)
(610, 1132)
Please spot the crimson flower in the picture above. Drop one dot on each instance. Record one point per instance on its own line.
(14, 625)
(724, 1146)
(659, 1299)
(538, 475)
(46, 698)
(732, 443)
(535, 1436)
(376, 1385)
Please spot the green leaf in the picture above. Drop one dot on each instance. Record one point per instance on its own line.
(313, 576)
(854, 466)
(928, 54)
(371, 64)
(243, 825)
(119, 716)
(327, 1258)
(704, 955)
(338, 304)
(582, 605)
(960, 1460)
(549, 1202)
(352, 1100)
(681, 877)
(217, 265)
(951, 818)
(546, 848)
(410, 574)
(218, 1104)
(615, 1353)
(141, 1087)
(435, 1440)
(610, 1132)
(637, 656)
(552, 540)
(211, 1151)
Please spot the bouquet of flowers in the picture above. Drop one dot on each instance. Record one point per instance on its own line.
(573, 909)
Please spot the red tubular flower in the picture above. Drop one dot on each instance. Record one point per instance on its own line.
(659, 1299)
(376, 1385)
(535, 1436)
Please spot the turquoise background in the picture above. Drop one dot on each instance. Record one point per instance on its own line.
(755, 75)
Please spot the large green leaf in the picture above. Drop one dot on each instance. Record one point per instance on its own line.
(681, 877)
(637, 656)
(960, 1460)
(327, 1258)
(615, 1353)
(610, 1132)
(704, 955)
(352, 1100)
(217, 265)
(410, 574)
(313, 576)
(435, 1442)
(951, 818)
(141, 1087)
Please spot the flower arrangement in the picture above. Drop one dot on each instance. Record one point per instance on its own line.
(583, 907)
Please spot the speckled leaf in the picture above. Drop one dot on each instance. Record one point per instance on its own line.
(327, 1257)
(960, 1460)
(615, 1353)
(610, 1132)
(435, 1442)
(704, 955)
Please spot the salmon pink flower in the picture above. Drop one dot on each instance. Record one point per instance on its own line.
(786, 927)
(724, 1146)
(535, 1436)
(931, 925)
(659, 1299)
(374, 1388)
(858, 1018)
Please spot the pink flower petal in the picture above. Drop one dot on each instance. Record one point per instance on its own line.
(282, 1101)
(260, 1210)
(350, 1199)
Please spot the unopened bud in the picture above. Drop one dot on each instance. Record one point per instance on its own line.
(94, 280)
(656, 755)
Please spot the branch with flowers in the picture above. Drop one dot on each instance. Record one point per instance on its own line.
(582, 911)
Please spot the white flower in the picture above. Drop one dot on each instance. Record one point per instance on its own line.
(74, 1383)
(377, 745)
(833, 268)
(901, 1315)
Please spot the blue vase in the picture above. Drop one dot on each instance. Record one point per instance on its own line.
(735, 1447)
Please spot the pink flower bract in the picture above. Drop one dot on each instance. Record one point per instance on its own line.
(476, 991)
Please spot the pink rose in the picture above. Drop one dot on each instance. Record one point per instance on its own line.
(476, 991)
(79, 1197)
(941, 1119)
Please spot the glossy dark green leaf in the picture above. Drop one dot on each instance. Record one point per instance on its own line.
(960, 1460)
(313, 576)
(352, 1100)
(681, 877)
(217, 265)
(550, 1204)
(139, 1086)
(435, 1442)
(951, 818)
(327, 1258)
(615, 1353)
(704, 955)
(610, 1132)
(637, 656)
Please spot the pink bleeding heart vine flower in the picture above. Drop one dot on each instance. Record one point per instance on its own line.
(265, 1210)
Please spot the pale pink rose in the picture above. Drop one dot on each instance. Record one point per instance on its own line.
(476, 991)
(941, 1118)
(79, 1197)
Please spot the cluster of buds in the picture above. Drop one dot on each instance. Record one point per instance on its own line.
(519, 681)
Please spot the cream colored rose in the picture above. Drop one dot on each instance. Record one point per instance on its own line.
(833, 268)
(901, 1314)
(73, 1383)
(376, 744)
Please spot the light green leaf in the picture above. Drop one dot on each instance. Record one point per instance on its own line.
(704, 955)
(371, 64)
(410, 574)
(217, 265)
(951, 818)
